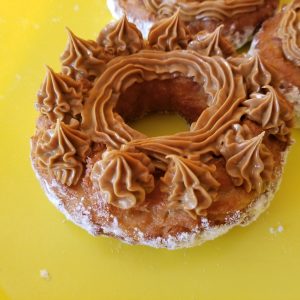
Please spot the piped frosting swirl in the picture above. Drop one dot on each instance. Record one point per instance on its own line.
(189, 185)
(189, 10)
(82, 58)
(121, 38)
(168, 34)
(289, 32)
(124, 177)
(60, 96)
(248, 160)
(253, 71)
(211, 43)
(62, 151)
(265, 109)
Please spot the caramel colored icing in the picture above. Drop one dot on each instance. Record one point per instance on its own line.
(253, 71)
(82, 58)
(121, 38)
(265, 109)
(248, 160)
(59, 97)
(62, 150)
(124, 177)
(189, 184)
(210, 44)
(189, 10)
(168, 35)
(289, 32)
(234, 89)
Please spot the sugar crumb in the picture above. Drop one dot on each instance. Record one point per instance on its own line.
(56, 20)
(276, 230)
(280, 228)
(36, 26)
(18, 77)
(44, 274)
(272, 230)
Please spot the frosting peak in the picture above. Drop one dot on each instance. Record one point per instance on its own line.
(169, 34)
(62, 151)
(59, 96)
(123, 177)
(289, 33)
(82, 58)
(121, 38)
(211, 43)
(189, 185)
(252, 69)
(248, 160)
(265, 109)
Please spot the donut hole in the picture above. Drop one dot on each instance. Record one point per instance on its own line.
(173, 99)
(160, 124)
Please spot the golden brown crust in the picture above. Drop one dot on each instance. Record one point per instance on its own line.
(170, 191)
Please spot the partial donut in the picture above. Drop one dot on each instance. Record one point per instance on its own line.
(240, 18)
(169, 191)
(278, 46)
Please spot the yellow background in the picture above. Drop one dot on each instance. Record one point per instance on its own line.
(247, 263)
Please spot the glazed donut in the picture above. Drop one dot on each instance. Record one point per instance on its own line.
(240, 18)
(278, 46)
(168, 191)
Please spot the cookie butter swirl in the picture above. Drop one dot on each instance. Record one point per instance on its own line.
(265, 109)
(168, 34)
(124, 177)
(289, 32)
(189, 185)
(253, 71)
(82, 58)
(62, 151)
(216, 9)
(248, 160)
(60, 96)
(121, 38)
(233, 90)
(211, 43)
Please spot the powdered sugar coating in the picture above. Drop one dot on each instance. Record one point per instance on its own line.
(240, 38)
(292, 94)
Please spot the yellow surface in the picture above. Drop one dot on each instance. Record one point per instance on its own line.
(160, 124)
(247, 263)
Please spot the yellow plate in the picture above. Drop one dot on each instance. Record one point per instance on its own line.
(261, 261)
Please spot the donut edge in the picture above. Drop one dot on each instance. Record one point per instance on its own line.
(183, 240)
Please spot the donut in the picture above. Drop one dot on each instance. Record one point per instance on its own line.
(278, 46)
(240, 18)
(168, 191)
